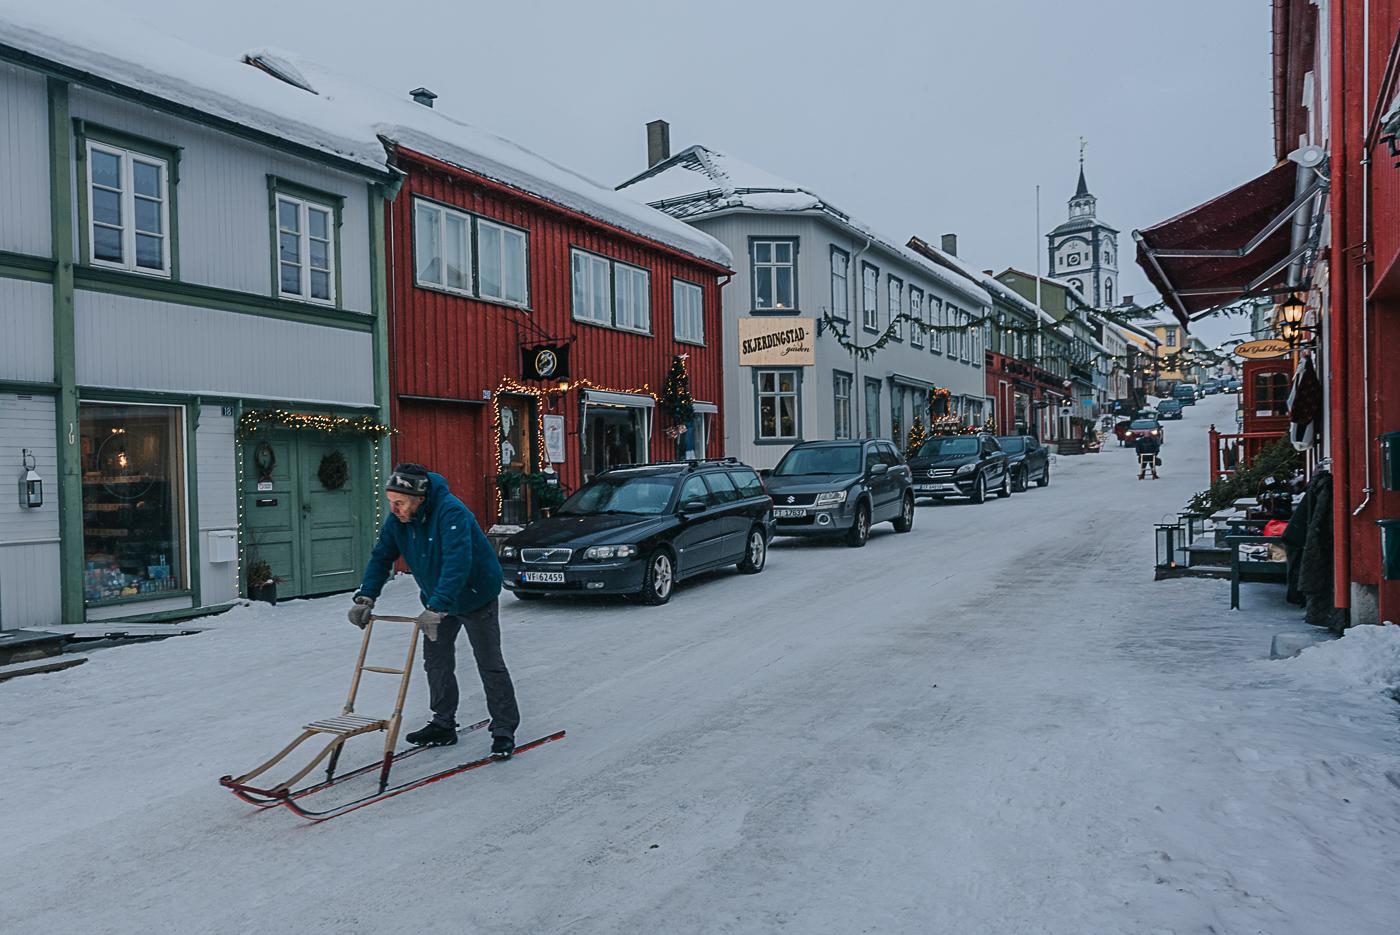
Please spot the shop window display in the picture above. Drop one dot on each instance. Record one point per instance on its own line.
(133, 501)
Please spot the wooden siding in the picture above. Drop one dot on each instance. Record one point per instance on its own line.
(217, 494)
(449, 346)
(24, 156)
(29, 591)
(26, 315)
(128, 342)
(224, 224)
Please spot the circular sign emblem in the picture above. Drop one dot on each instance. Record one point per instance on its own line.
(546, 362)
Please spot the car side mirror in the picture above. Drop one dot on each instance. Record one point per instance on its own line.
(878, 469)
(765, 473)
(693, 506)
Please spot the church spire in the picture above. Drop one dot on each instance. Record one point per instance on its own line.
(1082, 204)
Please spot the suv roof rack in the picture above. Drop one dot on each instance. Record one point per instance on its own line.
(688, 462)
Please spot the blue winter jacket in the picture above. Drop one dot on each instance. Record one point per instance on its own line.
(450, 557)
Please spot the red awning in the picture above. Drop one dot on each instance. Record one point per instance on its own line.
(1235, 245)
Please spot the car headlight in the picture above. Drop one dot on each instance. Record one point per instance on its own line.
(831, 498)
(508, 551)
(967, 469)
(605, 552)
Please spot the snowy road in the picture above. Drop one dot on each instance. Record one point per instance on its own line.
(995, 724)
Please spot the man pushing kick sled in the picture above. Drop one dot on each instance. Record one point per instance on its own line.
(459, 581)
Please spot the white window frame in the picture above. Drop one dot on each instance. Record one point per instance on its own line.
(508, 235)
(870, 297)
(778, 395)
(841, 405)
(894, 295)
(595, 267)
(840, 284)
(770, 269)
(443, 213)
(935, 344)
(688, 311)
(632, 287)
(916, 309)
(127, 195)
(304, 208)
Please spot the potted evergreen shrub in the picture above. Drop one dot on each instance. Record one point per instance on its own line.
(262, 583)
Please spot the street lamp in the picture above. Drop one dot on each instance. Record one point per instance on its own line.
(1292, 310)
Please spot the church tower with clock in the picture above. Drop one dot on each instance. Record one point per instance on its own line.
(1084, 250)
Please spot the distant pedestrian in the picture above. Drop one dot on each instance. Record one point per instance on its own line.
(1147, 445)
(459, 582)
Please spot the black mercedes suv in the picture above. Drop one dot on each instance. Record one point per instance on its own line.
(960, 465)
(839, 488)
(639, 529)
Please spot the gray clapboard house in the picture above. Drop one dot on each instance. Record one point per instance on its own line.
(187, 246)
(798, 256)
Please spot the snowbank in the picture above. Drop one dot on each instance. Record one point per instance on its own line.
(1365, 659)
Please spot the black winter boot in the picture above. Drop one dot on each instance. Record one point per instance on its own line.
(502, 747)
(433, 735)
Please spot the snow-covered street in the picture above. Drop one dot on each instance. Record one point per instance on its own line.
(996, 724)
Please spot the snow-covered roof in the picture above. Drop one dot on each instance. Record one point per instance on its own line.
(700, 181)
(990, 283)
(290, 99)
(1140, 332)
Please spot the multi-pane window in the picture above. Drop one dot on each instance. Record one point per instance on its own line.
(916, 311)
(128, 209)
(840, 284)
(896, 301)
(872, 407)
(688, 311)
(592, 287)
(305, 250)
(632, 298)
(774, 274)
(1171, 337)
(442, 247)
(777, 405)
(502, 261)
(841, 397)
(935, 316)
(870, 297)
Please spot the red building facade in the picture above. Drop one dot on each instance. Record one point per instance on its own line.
(482, 278)
(1026, 399)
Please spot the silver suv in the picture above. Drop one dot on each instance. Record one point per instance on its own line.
(840, 488)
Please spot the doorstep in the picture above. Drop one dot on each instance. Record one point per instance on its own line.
(24, 645)
(38, 666)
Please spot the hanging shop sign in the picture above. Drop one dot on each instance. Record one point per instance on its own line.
(545, 362)
(1263, 349)
(554, 439)
(778, 341)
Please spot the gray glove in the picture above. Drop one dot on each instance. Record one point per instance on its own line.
(428, 622)
(360, 611)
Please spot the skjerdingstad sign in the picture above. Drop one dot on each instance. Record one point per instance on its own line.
(777, 341)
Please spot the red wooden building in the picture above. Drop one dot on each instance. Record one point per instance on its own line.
(534, 319)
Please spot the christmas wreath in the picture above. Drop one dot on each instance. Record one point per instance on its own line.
(334, 471)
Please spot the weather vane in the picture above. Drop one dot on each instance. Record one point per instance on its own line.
(1082, 143)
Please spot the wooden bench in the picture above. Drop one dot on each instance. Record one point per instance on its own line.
(1247, 569)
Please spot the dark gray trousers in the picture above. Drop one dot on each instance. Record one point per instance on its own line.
(440, 662)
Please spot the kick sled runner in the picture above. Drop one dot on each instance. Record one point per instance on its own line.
(341, 728)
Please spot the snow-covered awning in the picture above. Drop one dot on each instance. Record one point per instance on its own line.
(606, 398)
(1231, 247)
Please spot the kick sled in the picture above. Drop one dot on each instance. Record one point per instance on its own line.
(340, 729)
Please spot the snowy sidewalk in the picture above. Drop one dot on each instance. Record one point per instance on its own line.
(995, 724)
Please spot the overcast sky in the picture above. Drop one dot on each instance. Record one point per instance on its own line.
(916, 117)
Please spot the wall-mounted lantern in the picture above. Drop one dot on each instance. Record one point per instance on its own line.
(31, 485)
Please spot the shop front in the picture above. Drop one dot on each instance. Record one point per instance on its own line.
(616, 430)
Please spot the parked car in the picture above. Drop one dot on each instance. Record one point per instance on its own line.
(1211, 387)
(1119, 428)
(640, 529)
(1027, 459)
(1185, 393)
(841, 488)
(1170, 409)
(960, 465)
(1143, 427)
(1233, 386)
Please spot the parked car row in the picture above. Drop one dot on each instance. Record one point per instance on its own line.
(640, 529)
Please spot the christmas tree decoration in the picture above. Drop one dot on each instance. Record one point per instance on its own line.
(675, 400)
(917, 437)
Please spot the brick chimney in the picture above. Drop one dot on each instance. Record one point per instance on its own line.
(658, 142)
(950, 244)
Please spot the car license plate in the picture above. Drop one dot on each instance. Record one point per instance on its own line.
(542, 577)
(926, 488)
(789, 514)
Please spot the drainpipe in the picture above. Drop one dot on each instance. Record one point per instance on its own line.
(1368, 490)
(857, 293)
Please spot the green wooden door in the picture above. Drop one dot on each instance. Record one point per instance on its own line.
(333, 518)
(271, 508)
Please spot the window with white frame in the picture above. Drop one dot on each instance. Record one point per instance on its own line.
(503, 260)
(442, 247)
(916, 310)
(777, 402)
(896, 303)
(774, 273)
(841, 397)
(870, 297)
(592, 287)
(128, 209)
(305, 249)
(631, 298)
(840, 284)
(935, 316)
(965, 336)
(688, 311)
